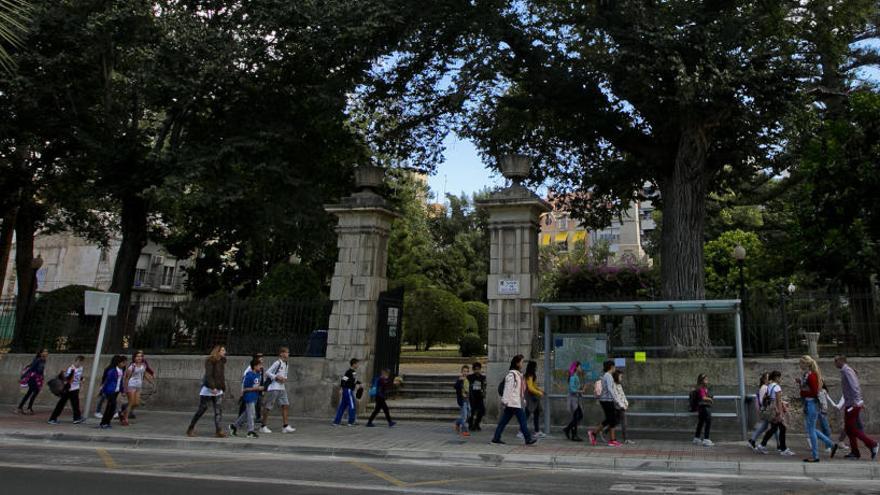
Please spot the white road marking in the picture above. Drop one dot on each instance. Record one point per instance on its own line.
(664, 488)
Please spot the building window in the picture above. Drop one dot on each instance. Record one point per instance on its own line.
(140, 275)
(167, 276)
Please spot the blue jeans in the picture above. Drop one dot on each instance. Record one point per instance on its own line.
(506, 416)
(811, 415)
(347, 401)
(824, 426)
(465, 411)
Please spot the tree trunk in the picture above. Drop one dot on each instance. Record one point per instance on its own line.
(863, 320)
(25, 226)
(134, 238)
(681, 258)
(6, 244)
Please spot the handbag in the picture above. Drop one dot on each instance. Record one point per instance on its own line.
(56, 386)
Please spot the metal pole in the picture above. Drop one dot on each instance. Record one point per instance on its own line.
(784, 319)
(548, 379)
(95, 360)
(740, 370)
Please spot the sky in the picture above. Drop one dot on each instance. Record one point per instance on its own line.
(461, 171)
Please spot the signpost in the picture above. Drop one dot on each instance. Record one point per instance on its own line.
(104, 304)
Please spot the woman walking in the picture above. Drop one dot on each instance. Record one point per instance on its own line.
(810, 385)
(704, 412)
(574, 402)
(512, 401)
(620, 403)
(534, 394)
(775, 414)
(32, 377)
(135, 374)
(112, 386)
(213, 385)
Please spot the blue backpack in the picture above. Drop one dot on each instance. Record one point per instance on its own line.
(374, 388)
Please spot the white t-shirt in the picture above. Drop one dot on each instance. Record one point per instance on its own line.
(136, 380)
(207, 392)
(772, 390)
(77, 377)
(278, 368)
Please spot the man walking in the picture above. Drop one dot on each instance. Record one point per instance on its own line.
(852, 406)
(276, 392)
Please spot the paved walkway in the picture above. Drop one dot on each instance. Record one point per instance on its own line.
(434, 442)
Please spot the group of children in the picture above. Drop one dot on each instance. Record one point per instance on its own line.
(608, 390)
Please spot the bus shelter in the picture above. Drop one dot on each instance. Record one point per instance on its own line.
(646, 308)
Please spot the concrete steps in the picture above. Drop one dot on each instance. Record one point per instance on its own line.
(424, 409)
(425, 397)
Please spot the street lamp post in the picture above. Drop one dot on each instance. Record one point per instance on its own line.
(783, 293)
(739, 254)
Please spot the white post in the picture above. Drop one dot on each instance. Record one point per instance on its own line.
(95, 360)
(548, 379)
(740, 371)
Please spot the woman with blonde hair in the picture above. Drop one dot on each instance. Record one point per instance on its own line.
(213, 385)
(810, 384)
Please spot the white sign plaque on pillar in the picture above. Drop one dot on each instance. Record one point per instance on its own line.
(508, 287)
(104, 304)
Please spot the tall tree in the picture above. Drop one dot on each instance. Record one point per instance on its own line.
(609, 95)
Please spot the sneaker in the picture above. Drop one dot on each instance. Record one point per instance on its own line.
(761, 449)
(369, 425)
(106, 427)
(697, 441)
(288, 429)
(53, 422)
(115, 415)
(233, 430)
(132, 416)
(391, 424)
(17, 411)
(874, 452)
(465, 433)
(834, 450)
(332, 423)
(752, 444)
(252, 434)
(532, 441)
(786, 452)
(265, 429)
(541, 434)
(708, 443)
(79, 421)
(498, 442)
(519, 435)
(852, 456)
(99, 415)
(352, 424)
(629, 442)
(592, 437)
(615, 443)
(811, 460)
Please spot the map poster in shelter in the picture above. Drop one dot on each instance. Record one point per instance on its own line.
(588, 348)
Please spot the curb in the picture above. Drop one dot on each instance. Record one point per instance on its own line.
(857, 470)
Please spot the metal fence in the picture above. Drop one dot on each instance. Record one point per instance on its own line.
(165, 325)
(775, 323)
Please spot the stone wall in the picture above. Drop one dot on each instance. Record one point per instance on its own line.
(179, 379)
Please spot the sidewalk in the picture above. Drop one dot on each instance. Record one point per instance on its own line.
(436, 442)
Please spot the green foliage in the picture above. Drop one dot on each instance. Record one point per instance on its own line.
(588, 275)
(14, 17)
(291, 281)
(57, 320)
(471, 345)
(722, 272)
(480, 312)
(432, 316)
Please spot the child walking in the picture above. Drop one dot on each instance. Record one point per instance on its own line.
(620, 403)
(461, 396)
(775, 411)
(276, 392)
(32, 378)
(251, 386)
(534, 394)
(112, 387)
(347, 400)
(704, 412)
(476, 394)
(383, 388)
(574, 402)
(73, 378)
(606, 400)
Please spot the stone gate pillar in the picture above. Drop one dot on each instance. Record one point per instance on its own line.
(513, 271)
(358, 278)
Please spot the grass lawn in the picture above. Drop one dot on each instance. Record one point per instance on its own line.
(438, 352)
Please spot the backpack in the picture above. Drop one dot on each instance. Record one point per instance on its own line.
(501, 387)
(597, 388)
(374, 388)
(694, 400)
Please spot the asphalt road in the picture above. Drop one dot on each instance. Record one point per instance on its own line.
(84, 469)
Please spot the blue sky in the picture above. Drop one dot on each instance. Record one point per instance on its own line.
(461, 171)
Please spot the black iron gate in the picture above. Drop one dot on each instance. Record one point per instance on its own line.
(389, 331)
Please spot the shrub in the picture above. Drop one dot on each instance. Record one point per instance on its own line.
(57, 320)
(433, 315)
(480, 312)
(470, 345)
